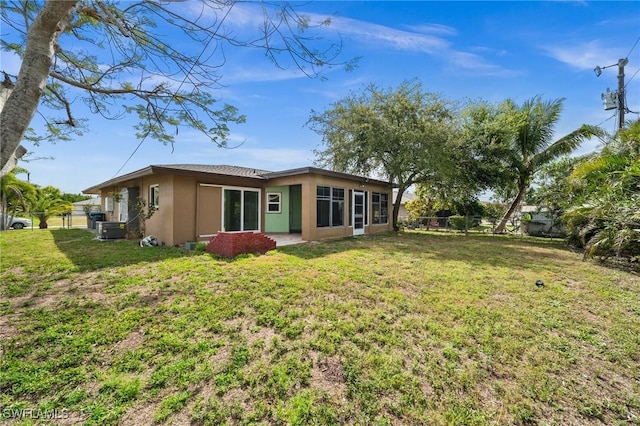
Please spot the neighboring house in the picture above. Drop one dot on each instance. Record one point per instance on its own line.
(403, 215)
(195, 202)
(81, 208)
(541, 222)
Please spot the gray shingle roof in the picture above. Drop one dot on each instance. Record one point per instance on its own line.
(222, 169)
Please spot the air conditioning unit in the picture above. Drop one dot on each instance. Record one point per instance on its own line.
(111, 230)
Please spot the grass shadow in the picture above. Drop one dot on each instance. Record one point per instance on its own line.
(88, 253)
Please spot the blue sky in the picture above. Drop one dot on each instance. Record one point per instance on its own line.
(462, 50)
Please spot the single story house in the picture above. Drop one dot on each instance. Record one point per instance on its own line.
(81, 208)
(539, 221)
(403, 214)
(195, 202)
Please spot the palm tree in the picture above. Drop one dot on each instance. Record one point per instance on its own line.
(532, 146)
(45, 204)
(12, 195)
(606, 219)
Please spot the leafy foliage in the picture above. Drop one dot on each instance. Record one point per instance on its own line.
(47, 202)
(13, 194)
(122, 58)
(605, 217)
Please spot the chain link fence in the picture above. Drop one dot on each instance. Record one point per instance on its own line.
(31, 221)
(538, 227)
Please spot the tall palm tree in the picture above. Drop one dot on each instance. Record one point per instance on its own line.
(532, 146)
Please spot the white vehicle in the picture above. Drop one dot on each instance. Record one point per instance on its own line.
(18, 222)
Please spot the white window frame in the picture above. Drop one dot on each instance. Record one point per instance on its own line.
(278, 203)
(243, 190)
(154, 196)
(108, 204)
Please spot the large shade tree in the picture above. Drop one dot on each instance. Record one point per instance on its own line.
(401, 135)
(474, 161)
(159, 60)
(531, 144)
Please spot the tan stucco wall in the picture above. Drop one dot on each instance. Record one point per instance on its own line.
(184, 215)
(209, 211)
(159, 225)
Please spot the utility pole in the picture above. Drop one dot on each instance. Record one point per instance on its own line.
(621, 65)
(613, 100)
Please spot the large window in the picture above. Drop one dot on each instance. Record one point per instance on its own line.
(380, 207)
(154, 196)
(329, 206)
(241, 210)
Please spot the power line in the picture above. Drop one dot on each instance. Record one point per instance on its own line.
(629, 81)
(179, 86)
(633, 47)
(607, 119)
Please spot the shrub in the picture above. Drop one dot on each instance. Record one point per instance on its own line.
(460, 223)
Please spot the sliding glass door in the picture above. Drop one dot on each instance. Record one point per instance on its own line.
(241, 211)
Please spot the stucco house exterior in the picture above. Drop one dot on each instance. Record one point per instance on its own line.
(195, 202)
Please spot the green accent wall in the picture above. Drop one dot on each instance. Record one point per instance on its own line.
(278, 222)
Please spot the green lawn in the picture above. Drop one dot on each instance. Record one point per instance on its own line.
(395, 329)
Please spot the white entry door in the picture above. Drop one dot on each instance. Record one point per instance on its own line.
(358, 212)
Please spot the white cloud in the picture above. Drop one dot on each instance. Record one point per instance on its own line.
(490, 50)
(427, 38)
(418, 39)
(383, 36)
(585, 55)
(433, 29)
(478, 64)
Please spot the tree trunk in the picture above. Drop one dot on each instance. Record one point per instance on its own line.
(6, 87)
(22, 103)
(396, 208)
(3, 209)
(503, 222)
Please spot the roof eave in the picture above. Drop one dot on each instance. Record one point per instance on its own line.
(111, 182)
(324, 172)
